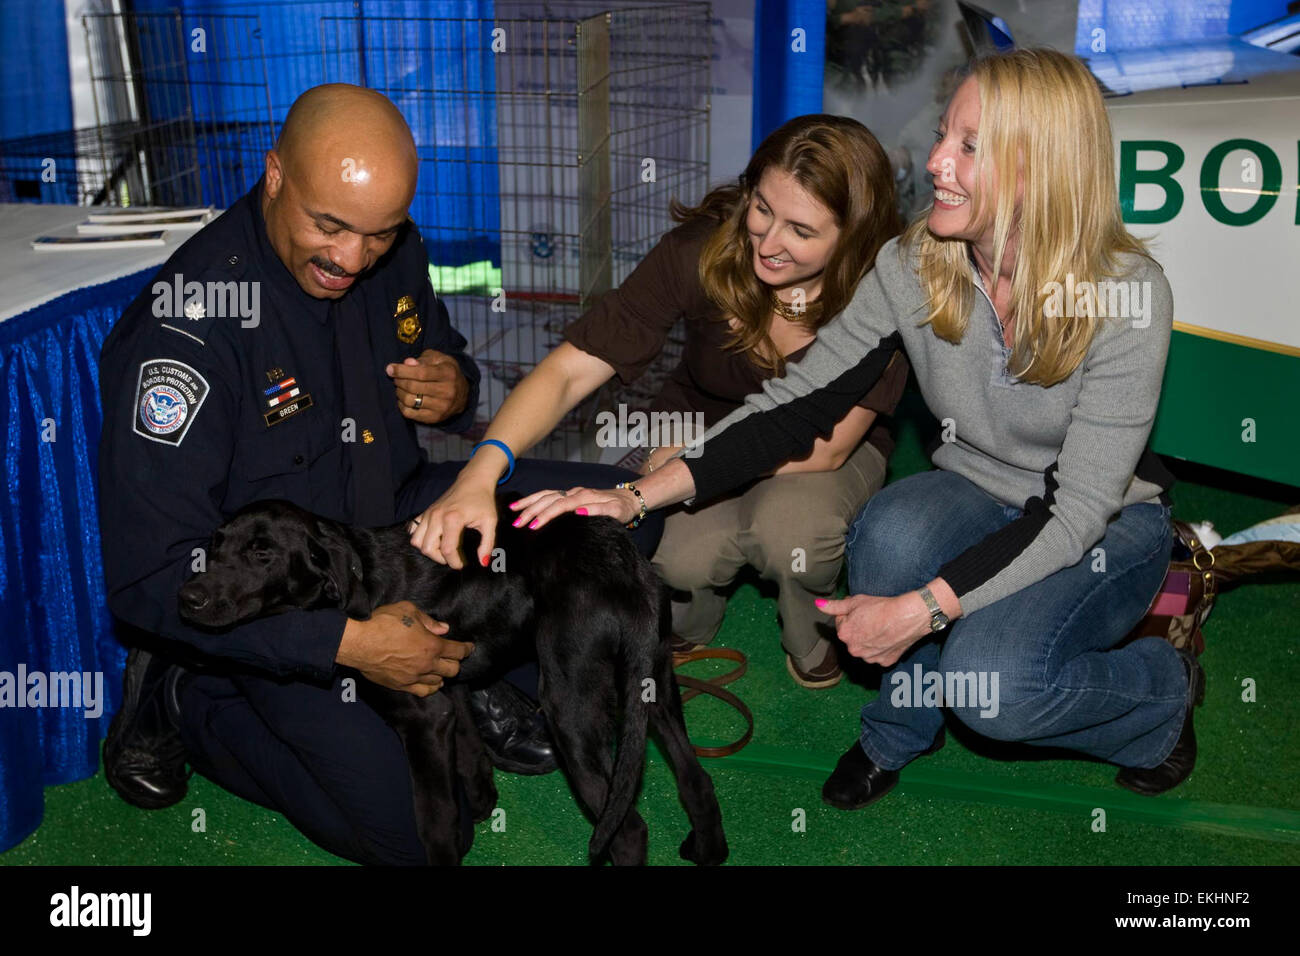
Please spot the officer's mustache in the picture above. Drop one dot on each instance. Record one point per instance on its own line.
(324, 265)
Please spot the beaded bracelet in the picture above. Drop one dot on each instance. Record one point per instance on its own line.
(639, 497)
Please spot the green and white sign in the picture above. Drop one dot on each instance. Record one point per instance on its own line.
(1211, 175)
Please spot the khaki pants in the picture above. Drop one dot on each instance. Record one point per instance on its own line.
(790, 528)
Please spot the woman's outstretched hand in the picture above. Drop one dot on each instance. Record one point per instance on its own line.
(879, 629)
(437, 531)
(540, 507)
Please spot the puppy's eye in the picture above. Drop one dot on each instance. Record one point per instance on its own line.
(259, 553)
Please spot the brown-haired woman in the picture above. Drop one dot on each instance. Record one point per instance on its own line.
(755, 270)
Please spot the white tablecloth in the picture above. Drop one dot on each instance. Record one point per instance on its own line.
(28, 278)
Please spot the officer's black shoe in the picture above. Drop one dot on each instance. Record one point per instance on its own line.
(1177, 767)
(513, 729)
(144, 757)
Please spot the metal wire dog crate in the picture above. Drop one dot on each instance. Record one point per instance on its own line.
(182, 108)
(182, 116)
(555, 143)
(552, 137)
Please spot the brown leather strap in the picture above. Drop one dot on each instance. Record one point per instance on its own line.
(1203, 580)
(713, 654)
(694, 686)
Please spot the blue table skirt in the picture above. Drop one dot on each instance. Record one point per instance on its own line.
(53, 615)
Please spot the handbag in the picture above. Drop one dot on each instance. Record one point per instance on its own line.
(1198, 573)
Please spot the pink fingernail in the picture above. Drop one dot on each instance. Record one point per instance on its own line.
(514, 505)
(532, 526)
(820, 602)
(519, 521)
(580, 511)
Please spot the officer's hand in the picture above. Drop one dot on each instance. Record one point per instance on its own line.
(430, 388)
(402, 648)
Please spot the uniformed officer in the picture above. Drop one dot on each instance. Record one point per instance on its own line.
(284, 352)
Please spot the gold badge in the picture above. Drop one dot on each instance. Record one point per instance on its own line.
(408, 320)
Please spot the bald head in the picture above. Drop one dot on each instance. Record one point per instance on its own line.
(338, 185)
(330, 124)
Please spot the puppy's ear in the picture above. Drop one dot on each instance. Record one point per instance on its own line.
(340, 567)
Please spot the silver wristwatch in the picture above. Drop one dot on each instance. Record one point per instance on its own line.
(938, 620)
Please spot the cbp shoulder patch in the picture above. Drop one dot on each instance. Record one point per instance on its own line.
(168, 397)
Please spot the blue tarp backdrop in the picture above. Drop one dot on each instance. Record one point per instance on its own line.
(433, 58)
(789, 62)
(35, 94)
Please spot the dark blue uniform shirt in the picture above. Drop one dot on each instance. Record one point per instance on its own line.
(208, 407)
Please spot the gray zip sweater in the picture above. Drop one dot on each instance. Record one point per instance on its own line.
(1071, 456)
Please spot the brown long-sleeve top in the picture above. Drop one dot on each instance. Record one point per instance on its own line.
(628, 327)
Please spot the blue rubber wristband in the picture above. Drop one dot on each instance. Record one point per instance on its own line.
(510, 458)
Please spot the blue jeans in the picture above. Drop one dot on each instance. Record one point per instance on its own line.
(1038, 666)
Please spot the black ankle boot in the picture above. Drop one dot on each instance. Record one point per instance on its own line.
(513, 729)
(1177, 767)
(857, 781)
(144, 757)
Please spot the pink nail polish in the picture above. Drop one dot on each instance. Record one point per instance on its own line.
(484, 560)
(532, 526)
(580, 511)
(518, 522)
(820, 602)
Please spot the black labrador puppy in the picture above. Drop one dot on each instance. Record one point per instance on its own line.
(576, 592)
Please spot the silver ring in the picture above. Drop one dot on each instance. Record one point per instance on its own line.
(419, 400)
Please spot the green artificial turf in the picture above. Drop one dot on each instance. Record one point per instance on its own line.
(972, 802)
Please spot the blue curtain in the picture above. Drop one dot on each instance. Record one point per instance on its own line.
(789, 62)
(53, 614)
(35, 99)
(35, 91)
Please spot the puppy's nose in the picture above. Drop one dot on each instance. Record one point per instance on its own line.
(194, 599)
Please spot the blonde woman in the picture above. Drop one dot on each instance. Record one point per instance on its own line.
(755, 270)
(998, 584)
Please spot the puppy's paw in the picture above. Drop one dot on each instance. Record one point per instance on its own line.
(703, 853)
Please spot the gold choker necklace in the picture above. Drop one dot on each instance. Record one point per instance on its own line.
(787, 311)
